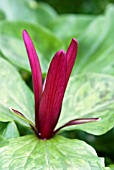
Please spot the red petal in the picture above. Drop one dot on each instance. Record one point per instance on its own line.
(77, 122)
(52, 97)
(36, 72)
(71, 57)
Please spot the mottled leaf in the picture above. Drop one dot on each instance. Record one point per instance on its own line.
(29, 152)
(89, 96)
(14, 93)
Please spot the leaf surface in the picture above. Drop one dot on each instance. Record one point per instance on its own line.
(112, 166)
(89, 96)
(11, 131)
(96, 45)
(29, 152)
(3, 141)
(14, 93)
(31, 11)
(68, 25)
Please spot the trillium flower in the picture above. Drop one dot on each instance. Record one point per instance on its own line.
(48, 96)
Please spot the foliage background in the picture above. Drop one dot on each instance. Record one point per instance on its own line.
(79, 6)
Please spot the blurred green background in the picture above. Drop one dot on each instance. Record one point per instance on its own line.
(78, 6)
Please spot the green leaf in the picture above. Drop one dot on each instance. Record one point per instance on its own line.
(89, 96)
(31, 11)
(8, 130)
(107, 168)
(45, 42)
(11, 131)
(3, 142)
(2, 15)
(112, 166)
(68, 25)
(5, 115)
(14, 92)
(96, 45)
(29, 152)
(2, 127)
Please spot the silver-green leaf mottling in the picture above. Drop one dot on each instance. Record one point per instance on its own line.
(30, 153)
(89, 96)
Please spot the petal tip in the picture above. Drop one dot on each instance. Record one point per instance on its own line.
(75, 41)
(61, 51)
(25, 34)
(24, 31)
(98, 119)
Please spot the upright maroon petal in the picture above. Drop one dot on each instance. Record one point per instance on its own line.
(52, 97)
(36, 72)
(71, 57)
(77, 122)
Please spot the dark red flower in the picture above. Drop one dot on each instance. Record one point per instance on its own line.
(48, 97)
